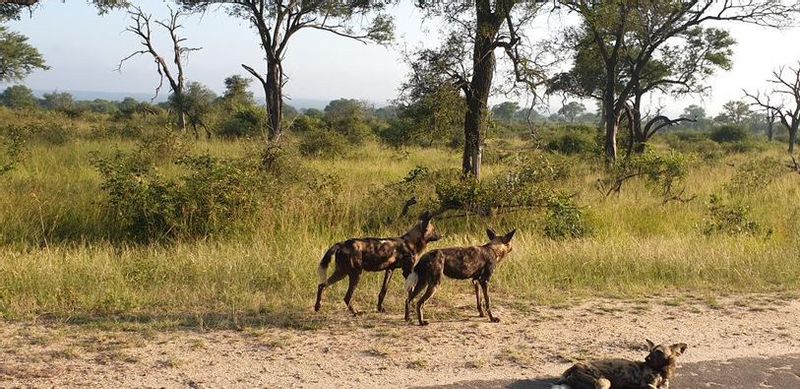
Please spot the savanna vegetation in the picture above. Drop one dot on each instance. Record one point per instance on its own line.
(210, 207)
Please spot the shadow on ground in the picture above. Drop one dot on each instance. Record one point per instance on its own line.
(744, 373)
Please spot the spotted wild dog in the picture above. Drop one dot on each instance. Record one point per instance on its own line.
(654, 373)
(374, 254)
(476, 262)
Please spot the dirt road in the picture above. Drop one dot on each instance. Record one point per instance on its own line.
(758, 335)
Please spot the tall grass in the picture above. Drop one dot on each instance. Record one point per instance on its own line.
(57, 256)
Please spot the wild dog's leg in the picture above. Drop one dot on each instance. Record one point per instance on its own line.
(428, 293)
(484, 281)
(577, 378)
(334, 278)
(355, 276)
(412, 294)
(386, 279)
(478, 297)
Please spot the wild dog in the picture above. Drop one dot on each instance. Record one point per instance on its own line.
(476, 262)
(374, 254)
(654, 373)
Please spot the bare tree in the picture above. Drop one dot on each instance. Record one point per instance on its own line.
(787, 85)
(141, 27)
(771, 112)
(277, 21)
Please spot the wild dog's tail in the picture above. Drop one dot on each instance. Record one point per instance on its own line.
(411, 280)
(560, 386)
(322, 270)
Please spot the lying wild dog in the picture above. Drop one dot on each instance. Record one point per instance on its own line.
(375, 254)
(654, 373)
(477, 263)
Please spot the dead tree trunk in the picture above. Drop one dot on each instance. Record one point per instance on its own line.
(140, 26)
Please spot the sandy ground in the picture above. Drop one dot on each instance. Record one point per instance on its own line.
(381, 350)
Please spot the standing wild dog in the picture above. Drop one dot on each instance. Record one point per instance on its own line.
(654, 373)
(374, 254)
(477, 263)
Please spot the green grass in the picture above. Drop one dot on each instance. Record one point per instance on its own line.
(57, 259)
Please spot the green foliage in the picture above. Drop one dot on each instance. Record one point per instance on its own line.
(731, 218)
(12, 148)
(18, 97)
(575, 140)
(19, 59)
(305, 124)
(695, 143)
(213, 196)
(197, 103)
(247, 121)
(58, 101)
(664, 174)
(324, 143)
(754, 175)
(729, 134)
(348, 117)
(565, 220)
(237, 91)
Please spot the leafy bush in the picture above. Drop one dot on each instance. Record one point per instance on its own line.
(755, 175)
(664, 174)
(573, 143)
(729, 218)
(212, 196)
(728, 134)
(12, 148)
(324, 143)
(565, 220)
(697, 143)
(247, 121)
(305, 124)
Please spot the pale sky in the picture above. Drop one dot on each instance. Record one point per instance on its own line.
(83, 49)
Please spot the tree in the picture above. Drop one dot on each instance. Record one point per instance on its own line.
(197, 103)
(17, 58)
(466, 60)
(141, 27)
(277, 21)
(58, 101)
(237, 91)
(505, 111)
(787, 86)
(697, 115)
(735, 112)
(348, 117)
(630, 47)
(769, 115)
(571, 110)
(19, 97)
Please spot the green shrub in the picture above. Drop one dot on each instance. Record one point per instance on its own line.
(12, 148)
(324, 143)
(755, 175)
(728, 134)
(212, 196)
(565, 220)
(664, 174)
(247, 121)
(729, 218)
(573, 143)
(304, 124)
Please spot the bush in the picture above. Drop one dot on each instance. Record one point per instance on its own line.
(247, 121)
(753, 176)
(573, 143)
(213, 196)
(305, 124)
(729, 134)
(324, 143)
(729, 218)
(696, 143)
(665, 174)
(12, 148)
(565, 220)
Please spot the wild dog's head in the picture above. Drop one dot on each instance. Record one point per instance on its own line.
(424, 231)
(501, 244)
(664, 358)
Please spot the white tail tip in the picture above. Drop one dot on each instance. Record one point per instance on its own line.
(562, 386)
(322, 273)
(411, 281)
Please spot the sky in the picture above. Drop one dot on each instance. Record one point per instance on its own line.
(83, 49)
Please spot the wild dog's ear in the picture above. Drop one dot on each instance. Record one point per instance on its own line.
(507, 237)
(491, 234)
(650, 345)
(425, 219)
(678, 349)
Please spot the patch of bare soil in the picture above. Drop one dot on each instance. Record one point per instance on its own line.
(382, 350)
